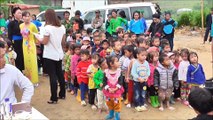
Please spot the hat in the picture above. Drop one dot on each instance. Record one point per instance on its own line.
(97, 11)
(170, 54)
(86, 38)
(83, 47)
(94, 30)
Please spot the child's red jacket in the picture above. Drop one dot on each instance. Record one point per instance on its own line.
(82, 75)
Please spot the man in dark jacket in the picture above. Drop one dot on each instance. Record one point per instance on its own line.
(208, 26)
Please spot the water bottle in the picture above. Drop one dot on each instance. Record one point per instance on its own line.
(7, 108)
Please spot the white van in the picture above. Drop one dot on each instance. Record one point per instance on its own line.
(148, 8)
(59, 13)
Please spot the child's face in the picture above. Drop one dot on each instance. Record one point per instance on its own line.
(103, 37)
(184, 56)
(127, 53)
(172, 58)
(77, 51)
(142, 56)
(177, 58)
(123, 43)
(121, 34)
(105, 45)
(116, 63)
(156, 42)
(84, 57)
(71, 51)
(97, 41)
(109, 17)
(136, 16)
(84, 33)
(78, 36)
(96, 33)
(193, 58)
(94, 61)
(166, 62)
(156, 58)
(126, 36)
(104, 65)
(167, 48)
(133, 37)
(86, 42)
(117, 46)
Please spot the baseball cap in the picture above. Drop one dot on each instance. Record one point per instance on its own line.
(94, 30)
(170, 54)
(86, 38)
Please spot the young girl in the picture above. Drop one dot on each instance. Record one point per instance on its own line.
(67, 64)
(105, 45)
(143, 43)
(124, 62)
(140, 72)
(195, 73)
(113, 88)
(156, 42)
(165, 80)
(98, 79)
(73, 67)
(182, 71)
(152, 58)
(136, 25)
(92, 69)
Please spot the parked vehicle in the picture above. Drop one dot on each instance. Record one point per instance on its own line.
(148, 8)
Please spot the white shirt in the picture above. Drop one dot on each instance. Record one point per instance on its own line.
(11, 76)
(182, 70)
(53, 49)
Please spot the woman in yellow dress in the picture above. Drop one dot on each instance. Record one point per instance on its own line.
(29, 48)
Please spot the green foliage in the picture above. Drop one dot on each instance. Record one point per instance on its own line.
(192, 18)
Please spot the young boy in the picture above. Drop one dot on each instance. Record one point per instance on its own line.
(85, 43)
(82, 74)
(165, 79)
(116, 46)
(97, 45)
(166, 48)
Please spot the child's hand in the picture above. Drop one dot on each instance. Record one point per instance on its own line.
(101, 85)
(127, 80)
(111, 90)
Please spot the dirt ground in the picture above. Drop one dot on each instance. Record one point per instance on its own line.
(71, 109)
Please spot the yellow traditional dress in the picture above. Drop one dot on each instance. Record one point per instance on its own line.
(29, 51)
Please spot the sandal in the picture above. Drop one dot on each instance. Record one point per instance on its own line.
(52, 102)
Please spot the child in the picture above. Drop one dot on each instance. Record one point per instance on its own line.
(113, 88)
(97, 45)
(78, 38)
(74, 62)
(124, 62)
(107, 26)
(10, 53)
(81, 74)
(102, 36)
(120, 32)
(152, 58)
(133, 36)
(126, 36)
(76, 25)
(195, 73)
(116, 45)
(84, 33)
(140, 72)
(98, 79)
(92, 69)
(165, 48)
(105, 45)
(182, 71)
(143, 43)
(156, 42)
(67, 72)
(165, 79)
(85, 43)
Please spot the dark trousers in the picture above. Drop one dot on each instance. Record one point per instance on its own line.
(208, 29)
(177, 91)
(54, 70)
(84, 89)
(125, 85)
(139, 93)
(152, 91)
(92, 93)
(17, 45)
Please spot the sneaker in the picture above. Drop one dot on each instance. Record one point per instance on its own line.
(94, 107)
(138, 109)
(83, 103)
(143, 108)
(128, 105)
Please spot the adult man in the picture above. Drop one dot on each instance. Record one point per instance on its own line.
(208, 26)
(169, 29)
(11, 76)
(66, 22)
(202, 102)
(97, 22)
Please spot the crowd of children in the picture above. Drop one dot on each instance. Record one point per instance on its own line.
(132, 68)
